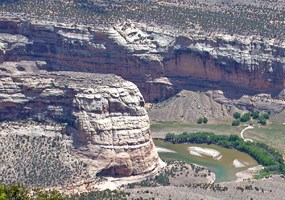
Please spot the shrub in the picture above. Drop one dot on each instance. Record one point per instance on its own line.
(205, 120)
(265, 116)
(262, 120)
(255, 115)
(245, 117)
(265, 155)
(236, 122)
(236, 115)
(200, 120)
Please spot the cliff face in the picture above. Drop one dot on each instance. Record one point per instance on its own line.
(153, 58)
(101, 118)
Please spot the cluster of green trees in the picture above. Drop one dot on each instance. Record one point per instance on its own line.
(265, 155)
(202, 120)
(261, 118)
(18, 192)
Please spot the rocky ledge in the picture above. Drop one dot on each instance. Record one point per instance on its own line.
(159, 60)
(84, 124)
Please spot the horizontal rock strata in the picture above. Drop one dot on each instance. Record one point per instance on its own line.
(158, 61)
(102, 122)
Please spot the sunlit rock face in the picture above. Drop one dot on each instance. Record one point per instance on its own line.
(158, 61)
(101, 122)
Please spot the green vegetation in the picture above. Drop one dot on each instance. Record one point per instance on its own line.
(236, 115)
(200, 120)
(254, 115)
(18, 192)
(265, 116)
(245, 117)
(262, 153)
(261, 119)
(236, 122)
(203, 120)
(272, 133)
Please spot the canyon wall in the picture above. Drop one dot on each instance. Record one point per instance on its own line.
(96, 124)
(158, 61)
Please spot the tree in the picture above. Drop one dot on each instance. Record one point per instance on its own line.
(236, 115)
(15, 191)
(236, 122)
(265, 116)
(18, 192)
(255, 115)
(205, 120)
(3, 195)
(262, 120)
(200, 120)
(245, 117)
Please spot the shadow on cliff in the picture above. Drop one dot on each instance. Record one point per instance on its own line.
(230, 90)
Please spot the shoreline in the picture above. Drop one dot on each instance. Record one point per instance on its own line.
(248, 173)
(164, 150)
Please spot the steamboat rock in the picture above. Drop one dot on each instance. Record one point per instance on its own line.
(98, 122)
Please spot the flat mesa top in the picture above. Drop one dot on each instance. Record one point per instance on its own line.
(260, 17)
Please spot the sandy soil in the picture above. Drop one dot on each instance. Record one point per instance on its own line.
(248, 174)
(199, 151)
(164, 150)
(239, 164)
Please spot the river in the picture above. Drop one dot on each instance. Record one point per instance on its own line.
(222, 165)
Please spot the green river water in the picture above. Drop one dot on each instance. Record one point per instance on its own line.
(223, 168)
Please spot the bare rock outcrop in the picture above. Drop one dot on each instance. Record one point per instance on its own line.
(102, 124)
(160, 61)
(146, 54)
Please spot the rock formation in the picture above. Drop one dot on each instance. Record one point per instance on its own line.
(158, 61)
(98, 125)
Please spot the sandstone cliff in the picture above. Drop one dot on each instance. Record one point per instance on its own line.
(160, 61)
(84, 124)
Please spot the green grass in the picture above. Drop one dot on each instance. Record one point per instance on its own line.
(225, 129)
(262, 174)
(273, 134)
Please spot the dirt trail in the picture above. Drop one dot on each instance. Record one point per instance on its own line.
(242, 136)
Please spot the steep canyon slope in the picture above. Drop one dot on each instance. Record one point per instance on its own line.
(161, 62)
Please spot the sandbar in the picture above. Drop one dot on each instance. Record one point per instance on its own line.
(199, 151)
